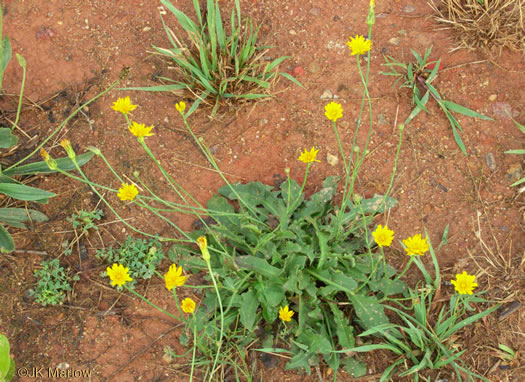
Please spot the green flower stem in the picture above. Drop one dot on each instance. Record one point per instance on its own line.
(334, 125)
(22, 63)
(85, 180)
(194, 345)
(110, 167)
(177, 302)
(406, 268)
(63, 124)
(182, 232)
(219, 343)
(155, 306)
(308, 165)
(174, 185)
(212, 161)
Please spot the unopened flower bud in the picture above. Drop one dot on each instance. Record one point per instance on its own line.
(66, 144)
(51, 163)
(94, 150)
(203, 245)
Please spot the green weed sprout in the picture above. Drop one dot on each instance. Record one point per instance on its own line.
(7, 363)
(53, 282)
(215, 64)
(418, 75)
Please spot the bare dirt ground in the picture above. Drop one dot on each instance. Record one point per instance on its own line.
(74, 49)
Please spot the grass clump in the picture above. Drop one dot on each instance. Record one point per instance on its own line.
(483, 24)
(214, 64)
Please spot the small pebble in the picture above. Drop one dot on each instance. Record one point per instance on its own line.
(514, 172)
(394, 41)
(315, 11)
(146, 29)
(492, 97)
(331, 159)
(292, 32)
(313, 67)
(408, 9)
(298, 71)
(327, 94)
(491, 161)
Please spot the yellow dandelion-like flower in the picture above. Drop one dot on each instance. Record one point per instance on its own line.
(187, 305)
(309, 156)
(464, 283)
(285, 314)
(333, 111)
(127, 192)
(383, 236)
(174, 277)
(181, 106)
(415, 245)
(359, 45)
(140, 130)
(118, 274)
(66, 144)
(123, 105)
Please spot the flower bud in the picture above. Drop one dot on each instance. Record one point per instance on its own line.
(51, 163)
(203, 245)
(66, 144)
(94, 150)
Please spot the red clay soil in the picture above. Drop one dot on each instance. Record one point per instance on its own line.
(74, 49)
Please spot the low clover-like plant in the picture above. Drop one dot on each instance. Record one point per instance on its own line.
(86, 220)
(53, 282)
(141, 257)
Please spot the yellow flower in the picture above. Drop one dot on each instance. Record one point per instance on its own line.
(187, 305)
(285, 314)
(415, 245)
(140, 130)
(66, 144)
(333, 111)
(127, 192)
(464, 283)
(174, 277)
(203, 245)
(383, 236)
(309, 156)
(118, 274)
(181, 106)
(359, 45)
(123, 105)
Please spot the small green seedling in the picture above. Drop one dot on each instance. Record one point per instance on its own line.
(86, 220)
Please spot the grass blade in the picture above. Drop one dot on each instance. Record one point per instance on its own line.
(463, 110)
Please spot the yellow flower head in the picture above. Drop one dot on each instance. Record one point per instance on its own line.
(333, 111)
(203, 245)
(140, 130)
(309, 156)
(127, 192)
(187, 305)
(464, 283)
(66, 144)
(285, 314)
(118, 274)
(415, 245)
(359, 45)
(123, 105)
(181, 106)
(174, 277)
(383, 236)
